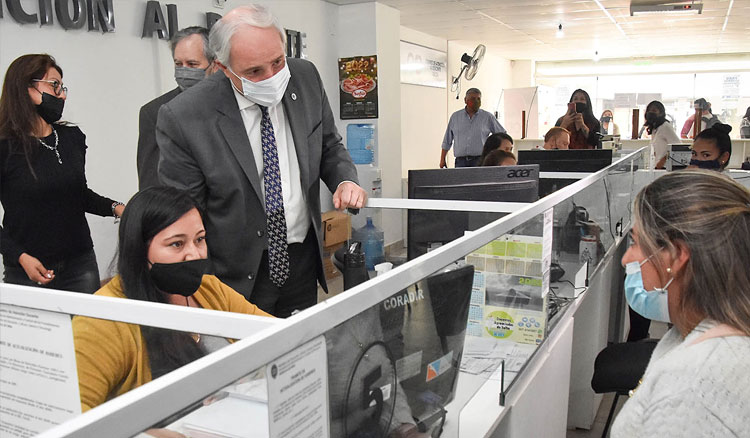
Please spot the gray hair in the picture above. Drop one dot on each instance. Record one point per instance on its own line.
(189, 31)
(473, 91)
(710, 214)
(248, 15)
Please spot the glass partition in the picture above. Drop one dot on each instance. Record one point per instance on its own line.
(409, 348)
(64, 353)
(237, 410)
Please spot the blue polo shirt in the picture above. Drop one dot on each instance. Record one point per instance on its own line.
(468, 134)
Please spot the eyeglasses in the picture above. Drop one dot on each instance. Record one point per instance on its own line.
(57, 86)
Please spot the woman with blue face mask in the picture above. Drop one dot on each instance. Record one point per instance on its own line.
(691, 250)
(712, 148)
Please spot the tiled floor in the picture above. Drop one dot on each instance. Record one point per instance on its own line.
(601, 418)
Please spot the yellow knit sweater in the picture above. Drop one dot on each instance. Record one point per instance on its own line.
(111, 356)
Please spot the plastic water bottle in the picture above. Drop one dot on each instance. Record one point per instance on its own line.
(372, 239)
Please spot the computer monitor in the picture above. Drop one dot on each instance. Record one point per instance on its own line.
(427, 229)
(433, 330)
(679, 156)
(569, 160)
(399, 359)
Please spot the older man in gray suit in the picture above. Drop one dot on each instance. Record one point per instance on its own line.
(251, 146)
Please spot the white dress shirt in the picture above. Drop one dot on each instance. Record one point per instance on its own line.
(295, 207)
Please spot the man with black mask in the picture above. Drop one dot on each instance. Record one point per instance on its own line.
(193, 61)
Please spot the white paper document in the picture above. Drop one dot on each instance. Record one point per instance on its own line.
(38, 376)
(298, 392)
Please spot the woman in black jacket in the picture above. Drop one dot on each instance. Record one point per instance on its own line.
(45, 239)
(580, 121)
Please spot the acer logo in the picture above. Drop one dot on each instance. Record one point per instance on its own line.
(519, 173)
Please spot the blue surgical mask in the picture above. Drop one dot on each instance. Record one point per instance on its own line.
(649, 304)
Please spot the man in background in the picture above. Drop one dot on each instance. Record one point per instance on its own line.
(557, 138)
(467, 130)
(193, 60)
(708, 119)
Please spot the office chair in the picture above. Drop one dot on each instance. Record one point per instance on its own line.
(618, 368)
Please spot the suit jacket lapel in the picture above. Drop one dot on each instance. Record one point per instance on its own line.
(298, 122)
(233, 129)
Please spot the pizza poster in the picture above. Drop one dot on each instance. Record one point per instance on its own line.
(358, 87)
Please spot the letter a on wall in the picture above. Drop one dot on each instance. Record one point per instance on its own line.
(154, 21)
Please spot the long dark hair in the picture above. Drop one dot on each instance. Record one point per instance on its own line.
(747, 113)
(719, 134)
(18, 116)
(148, 212)
(588, 116)
(493, 142)
(660, 119)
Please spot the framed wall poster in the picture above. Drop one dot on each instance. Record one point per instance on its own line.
(358, 87)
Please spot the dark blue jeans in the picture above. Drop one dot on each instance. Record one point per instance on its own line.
(469, 161)
(77, 274)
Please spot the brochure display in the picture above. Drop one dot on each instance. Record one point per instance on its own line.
(509, 293)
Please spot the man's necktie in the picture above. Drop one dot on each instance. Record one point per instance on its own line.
(278, 257)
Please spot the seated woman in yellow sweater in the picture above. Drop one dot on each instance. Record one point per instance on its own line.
(162, 258)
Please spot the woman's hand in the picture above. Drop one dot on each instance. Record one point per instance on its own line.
(579, 123)
(35, 270)
(407, 430)
(164, 433)
(119, 210)
(568, 120)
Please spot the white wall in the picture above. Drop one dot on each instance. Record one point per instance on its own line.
(522, 73)
(424, 113)
(110, 76)
(367, 29)
(494, 74)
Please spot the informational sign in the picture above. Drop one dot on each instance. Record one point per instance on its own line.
(509, 299)
(358, 87)
(423, 66)
(731, 89)
(626, 100)
(360, 142)
(38, 376)
(297, 392)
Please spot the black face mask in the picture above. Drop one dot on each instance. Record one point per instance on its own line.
(652, 118)
(706, 164)
(182, 278)
(51, 108)
(581, 107)
(606, 119)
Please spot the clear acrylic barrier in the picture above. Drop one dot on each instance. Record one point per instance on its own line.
(394, 345)
(43, 331)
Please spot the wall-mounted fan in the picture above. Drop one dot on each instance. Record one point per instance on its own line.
(469, 69)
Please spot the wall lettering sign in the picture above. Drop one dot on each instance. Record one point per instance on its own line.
(99, 15)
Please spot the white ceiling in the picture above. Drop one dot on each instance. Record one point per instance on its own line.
(526, 29)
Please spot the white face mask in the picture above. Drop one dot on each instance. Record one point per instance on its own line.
(267, 92)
